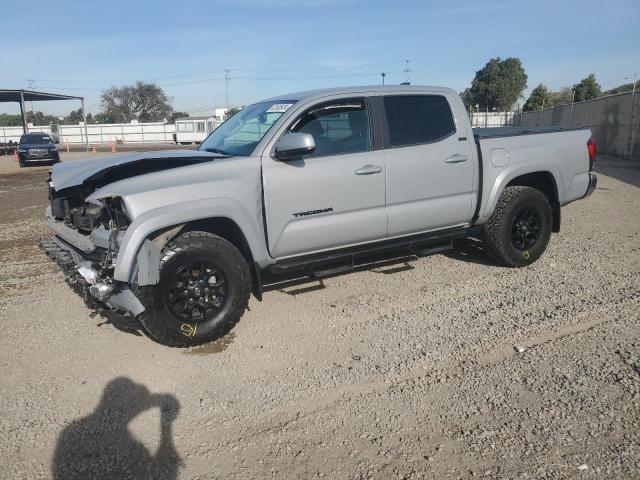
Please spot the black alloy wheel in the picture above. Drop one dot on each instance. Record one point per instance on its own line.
(198, 292)
(525, 230)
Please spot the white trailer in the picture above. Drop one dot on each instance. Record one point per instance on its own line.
(194, 129)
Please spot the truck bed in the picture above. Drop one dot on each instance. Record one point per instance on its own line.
(496, 132)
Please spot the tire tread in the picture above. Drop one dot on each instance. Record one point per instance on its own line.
(159, 330)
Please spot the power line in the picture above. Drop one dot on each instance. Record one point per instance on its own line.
(220, 75)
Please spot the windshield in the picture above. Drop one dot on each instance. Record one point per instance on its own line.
(36, 140)
(240, 134)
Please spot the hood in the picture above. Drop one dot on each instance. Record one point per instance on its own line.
(103, 170)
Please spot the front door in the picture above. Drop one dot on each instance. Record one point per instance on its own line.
(334, 197)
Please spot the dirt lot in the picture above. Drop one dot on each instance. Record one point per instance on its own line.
(398, 371)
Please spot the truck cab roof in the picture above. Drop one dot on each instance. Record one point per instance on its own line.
(402, 89)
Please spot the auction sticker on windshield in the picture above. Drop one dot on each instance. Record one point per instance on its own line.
(279, 107)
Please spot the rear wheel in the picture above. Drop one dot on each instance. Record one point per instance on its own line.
(519, 230)
(203, 291)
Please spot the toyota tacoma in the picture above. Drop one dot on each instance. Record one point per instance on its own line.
(307, 182)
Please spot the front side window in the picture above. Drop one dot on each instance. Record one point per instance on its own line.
(240, 134)
(416, 119)
(338, 128)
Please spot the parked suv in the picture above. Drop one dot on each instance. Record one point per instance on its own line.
(305, 182)
(37, 148)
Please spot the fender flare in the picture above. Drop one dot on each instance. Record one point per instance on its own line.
(513, 171)
(137, 235)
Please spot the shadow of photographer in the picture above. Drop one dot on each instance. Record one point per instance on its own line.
(100, 446)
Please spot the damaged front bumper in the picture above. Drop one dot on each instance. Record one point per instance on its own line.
(79, 258)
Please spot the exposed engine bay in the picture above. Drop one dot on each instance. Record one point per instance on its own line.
(88, 232)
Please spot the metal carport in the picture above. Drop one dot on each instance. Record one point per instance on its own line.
(21, 96)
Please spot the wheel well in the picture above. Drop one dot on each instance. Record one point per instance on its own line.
(230, 231)
(544, 182)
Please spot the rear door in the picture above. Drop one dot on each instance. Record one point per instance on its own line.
(333, 198)
(430, 168)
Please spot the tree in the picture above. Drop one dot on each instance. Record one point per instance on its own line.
(74, 117)
(102, 117)
(540, 98)
(467, 99)
(563, 97)
(231, 112)
(499, 84)
(176, 115)
(587, 89)
(145, 102)
(626, 87)
(7, 120)
(39, 118)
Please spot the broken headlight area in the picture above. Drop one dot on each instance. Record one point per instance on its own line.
(108, 212)
(71, 207)
(85, 245)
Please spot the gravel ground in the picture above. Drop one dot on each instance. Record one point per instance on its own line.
(442, 367)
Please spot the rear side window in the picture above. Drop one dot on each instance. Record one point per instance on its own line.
(415, 119)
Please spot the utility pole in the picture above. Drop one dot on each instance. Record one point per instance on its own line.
(407, 73)
(633, 121)
(31, 82)
(227, 77)
(383, 75)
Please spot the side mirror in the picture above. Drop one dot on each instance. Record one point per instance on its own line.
(294, 146)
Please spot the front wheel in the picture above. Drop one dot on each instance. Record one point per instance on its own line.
(203, 291)
(519, 230)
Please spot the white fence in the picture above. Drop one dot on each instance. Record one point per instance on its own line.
(117, 133)
(156, 132)
(14, 133)
(491, 119)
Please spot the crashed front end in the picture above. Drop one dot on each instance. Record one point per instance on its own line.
(87, 234)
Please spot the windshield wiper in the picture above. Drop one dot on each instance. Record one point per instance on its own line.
(217, 150)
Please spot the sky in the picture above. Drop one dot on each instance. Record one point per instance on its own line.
(271, 47)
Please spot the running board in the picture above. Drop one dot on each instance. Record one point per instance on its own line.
(433, 249)
(342, 261)
(331, 271)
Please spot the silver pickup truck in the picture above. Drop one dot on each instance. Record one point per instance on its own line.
(307, 182)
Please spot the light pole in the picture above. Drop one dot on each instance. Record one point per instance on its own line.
(31, 82)
(383, 75)
(227, 77)
(635, 80)
(632, 123)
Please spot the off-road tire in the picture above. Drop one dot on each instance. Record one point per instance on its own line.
(161, 325)
(498, 243)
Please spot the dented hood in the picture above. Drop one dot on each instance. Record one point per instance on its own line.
(103, 170)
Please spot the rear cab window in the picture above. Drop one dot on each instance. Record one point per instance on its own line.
(417, 119)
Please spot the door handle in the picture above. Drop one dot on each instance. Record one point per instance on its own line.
(457, 158)
(368, 170)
